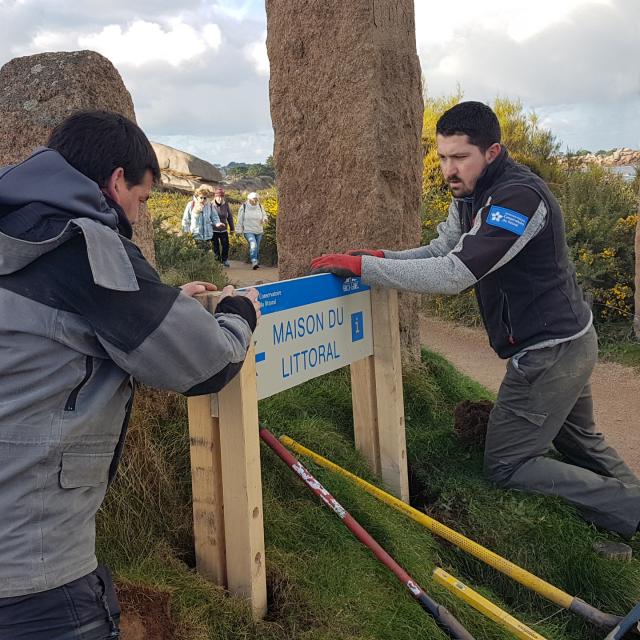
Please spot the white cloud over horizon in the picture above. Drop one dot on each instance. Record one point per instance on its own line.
(198, 72)
(143, 42)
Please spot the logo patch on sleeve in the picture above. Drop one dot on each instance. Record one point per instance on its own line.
(507, 219)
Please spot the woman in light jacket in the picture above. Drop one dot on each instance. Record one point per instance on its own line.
(251, 220)
(200, 218)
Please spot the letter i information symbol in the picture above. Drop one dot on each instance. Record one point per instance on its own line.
(357, 326)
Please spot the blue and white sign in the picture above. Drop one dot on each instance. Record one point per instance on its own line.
(310, 326)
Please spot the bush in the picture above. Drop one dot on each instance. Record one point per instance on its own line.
(177, 255)
(599, 210)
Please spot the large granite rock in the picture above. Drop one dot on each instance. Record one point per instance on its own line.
(38, 92)
(346, 107)
(177, 162)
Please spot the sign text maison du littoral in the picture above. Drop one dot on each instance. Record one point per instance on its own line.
(310, 326)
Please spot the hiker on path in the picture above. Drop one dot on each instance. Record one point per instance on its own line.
(504, 236)
(83, 314)
(200, 219)
(221, 234)
(251, 220)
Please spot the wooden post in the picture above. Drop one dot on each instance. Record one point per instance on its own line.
(378, 399)
(365, 411)
(206, 481)
(389, 394)
(227, 485)
(242, 487)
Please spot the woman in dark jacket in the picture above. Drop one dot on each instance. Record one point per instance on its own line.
(221, 235)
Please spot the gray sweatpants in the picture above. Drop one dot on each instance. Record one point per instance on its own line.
(545, 400)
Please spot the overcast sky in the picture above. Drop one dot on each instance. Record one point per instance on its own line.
(198, 70)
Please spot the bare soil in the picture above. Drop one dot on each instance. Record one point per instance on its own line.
(616, 389)
(145, 614)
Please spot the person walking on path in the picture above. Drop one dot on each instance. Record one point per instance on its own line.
(504, 236)
(83, 314)
(220, 238)
(200, 219)
(251, 220)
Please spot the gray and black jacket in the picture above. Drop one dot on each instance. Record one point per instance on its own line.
(507, 240)
(82, 314)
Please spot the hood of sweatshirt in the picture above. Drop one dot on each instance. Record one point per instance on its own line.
(44, 202)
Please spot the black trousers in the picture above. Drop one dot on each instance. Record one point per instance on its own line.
(220, 242)
(86, 609)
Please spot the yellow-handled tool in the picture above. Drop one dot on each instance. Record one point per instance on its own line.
(524, 577)
(484, 606)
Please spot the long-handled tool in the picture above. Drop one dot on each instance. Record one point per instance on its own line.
(628, 623)
(484, 606)
(445, 620)
(576, 605)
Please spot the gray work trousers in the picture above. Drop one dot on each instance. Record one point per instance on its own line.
(544, 401)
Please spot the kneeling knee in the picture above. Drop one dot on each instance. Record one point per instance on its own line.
(499, 473)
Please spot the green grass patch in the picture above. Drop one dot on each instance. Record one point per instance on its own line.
(618, 344)
(323, 584)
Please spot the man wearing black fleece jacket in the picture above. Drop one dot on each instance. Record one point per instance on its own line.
(504, 236)
(83, 314)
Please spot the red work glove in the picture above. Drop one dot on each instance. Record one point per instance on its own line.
(339, 264)
(376, 253)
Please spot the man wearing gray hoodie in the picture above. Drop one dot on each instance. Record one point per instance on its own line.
(83, 314)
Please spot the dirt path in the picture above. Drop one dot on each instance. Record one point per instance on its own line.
(241, 274)
(616, 389)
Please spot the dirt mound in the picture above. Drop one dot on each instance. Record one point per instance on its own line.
(145, 614)
(470, 422)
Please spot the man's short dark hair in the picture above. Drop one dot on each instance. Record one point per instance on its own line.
(98, 142)
(473, 119)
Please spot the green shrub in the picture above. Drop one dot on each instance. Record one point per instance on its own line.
(599, 210)
(177, 255)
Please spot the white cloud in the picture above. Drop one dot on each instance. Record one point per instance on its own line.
(256, 53)
(444, 22)
(143, 42)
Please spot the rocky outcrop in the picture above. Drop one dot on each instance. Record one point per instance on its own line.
(180, 163)
(346, 107)
(182, 171)
(617, 158)
(38, 92)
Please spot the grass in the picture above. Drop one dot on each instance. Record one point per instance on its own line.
(618, 344)
(322, 583)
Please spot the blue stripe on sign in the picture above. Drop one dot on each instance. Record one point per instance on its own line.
(261, 356)
(289, 294)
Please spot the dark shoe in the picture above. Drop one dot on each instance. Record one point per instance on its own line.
(226, 263)
(255, 266)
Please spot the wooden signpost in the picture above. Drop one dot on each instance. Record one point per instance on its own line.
(310, 326)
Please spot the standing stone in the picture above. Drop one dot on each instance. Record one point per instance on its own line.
(38, 92)
(346, 107)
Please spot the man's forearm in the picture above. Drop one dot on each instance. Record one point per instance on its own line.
(446, 274)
